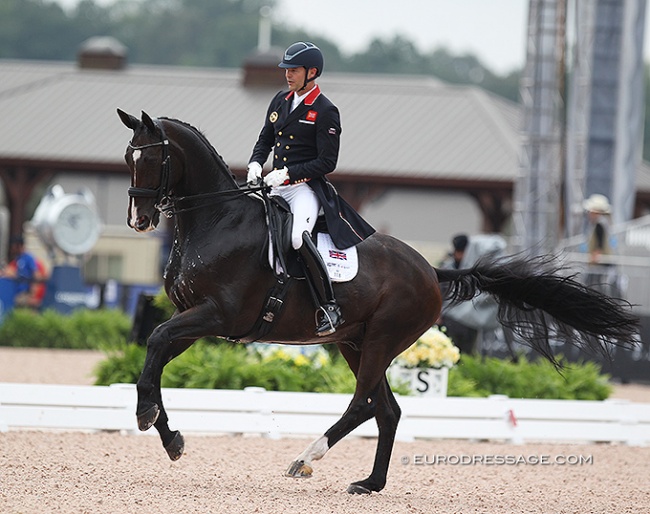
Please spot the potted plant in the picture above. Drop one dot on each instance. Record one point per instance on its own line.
(424, 366)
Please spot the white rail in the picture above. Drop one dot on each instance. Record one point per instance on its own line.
(278, 414)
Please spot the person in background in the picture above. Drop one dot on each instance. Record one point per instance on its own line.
(28, 272)
(601, 273)
(463, 336)
(455, 256)
(598, 210)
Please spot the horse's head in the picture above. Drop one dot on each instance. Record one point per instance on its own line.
(149, 160)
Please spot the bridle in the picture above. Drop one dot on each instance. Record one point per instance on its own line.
(161, 193)
(168, 204)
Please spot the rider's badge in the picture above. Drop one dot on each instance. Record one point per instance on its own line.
(273, 117)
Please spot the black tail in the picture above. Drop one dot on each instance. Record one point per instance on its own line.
(540, 304)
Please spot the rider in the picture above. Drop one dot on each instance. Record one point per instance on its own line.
(302, 129)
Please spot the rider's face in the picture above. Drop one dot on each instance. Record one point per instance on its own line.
(296, 78)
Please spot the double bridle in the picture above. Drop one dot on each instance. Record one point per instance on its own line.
(168, 204)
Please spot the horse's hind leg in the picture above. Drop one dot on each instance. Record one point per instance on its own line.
(387, 417)
(301, 466)
(379, 402)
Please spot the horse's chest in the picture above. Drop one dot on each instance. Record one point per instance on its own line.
(186, 283)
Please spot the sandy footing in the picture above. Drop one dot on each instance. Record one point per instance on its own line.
(96, 473)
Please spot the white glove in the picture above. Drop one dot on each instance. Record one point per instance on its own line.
(277, 177)
(254, 173)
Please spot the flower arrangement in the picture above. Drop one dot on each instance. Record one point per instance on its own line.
(433, 349)
(314, 356)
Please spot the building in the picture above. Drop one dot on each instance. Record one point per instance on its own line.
(420, 159)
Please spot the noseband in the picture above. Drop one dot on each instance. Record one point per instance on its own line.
(161, 193)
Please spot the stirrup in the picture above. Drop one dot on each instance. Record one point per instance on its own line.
(331, 319)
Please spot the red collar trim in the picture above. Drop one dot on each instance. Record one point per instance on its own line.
(310, 98)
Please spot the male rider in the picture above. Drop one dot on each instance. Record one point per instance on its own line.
(302, 130)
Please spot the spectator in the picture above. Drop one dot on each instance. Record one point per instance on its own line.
(28, 272)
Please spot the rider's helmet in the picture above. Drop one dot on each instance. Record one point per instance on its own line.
(303, 54)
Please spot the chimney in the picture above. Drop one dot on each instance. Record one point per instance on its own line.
(261, 67)
(102, 53)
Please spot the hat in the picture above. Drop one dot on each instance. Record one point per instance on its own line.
(460, 242)
(597, 203)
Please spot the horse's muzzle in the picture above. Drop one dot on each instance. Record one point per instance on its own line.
(141, 224)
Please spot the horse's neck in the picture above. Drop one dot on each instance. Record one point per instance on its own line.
(215, 218)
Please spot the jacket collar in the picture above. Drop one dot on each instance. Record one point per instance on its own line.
(310, 98)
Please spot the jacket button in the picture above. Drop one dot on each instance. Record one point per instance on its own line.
(287, 147)
(290, 137)
(280, 133)
(277, 144)
(284, 159)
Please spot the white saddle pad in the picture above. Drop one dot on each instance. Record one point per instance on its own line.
(342, 265)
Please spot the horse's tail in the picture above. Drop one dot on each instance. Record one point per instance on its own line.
(541, 304)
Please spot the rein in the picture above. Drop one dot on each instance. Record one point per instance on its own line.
(167, 204)
(170, 207)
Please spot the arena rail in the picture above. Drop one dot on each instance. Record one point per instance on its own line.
(280, 414)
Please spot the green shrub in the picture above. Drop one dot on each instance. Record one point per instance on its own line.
(223, 365)
(81, 329)
(228, 366)
(529, 379)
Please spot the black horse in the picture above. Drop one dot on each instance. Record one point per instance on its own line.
(218, 279)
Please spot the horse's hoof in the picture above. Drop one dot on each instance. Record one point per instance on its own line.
(358, 489)
(176, 447)
(298, 469)
(147, 419)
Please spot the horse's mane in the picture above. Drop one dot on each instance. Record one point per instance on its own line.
(215, 155)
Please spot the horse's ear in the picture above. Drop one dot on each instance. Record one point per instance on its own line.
(130, 121)
(148, 122)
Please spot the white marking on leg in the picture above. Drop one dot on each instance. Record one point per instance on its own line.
(315, 451)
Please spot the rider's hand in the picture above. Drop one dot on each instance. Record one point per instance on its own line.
(254, 173)
(277, 177)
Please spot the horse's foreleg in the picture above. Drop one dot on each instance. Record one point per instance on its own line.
(167, 341)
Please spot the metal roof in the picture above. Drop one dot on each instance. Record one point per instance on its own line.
(394, 126)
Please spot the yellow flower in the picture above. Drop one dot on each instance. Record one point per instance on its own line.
(434, 349)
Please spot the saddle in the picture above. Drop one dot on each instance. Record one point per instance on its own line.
(279, 255)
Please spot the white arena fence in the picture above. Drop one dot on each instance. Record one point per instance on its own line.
(286, 414)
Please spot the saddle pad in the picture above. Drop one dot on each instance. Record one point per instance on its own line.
(342, 265)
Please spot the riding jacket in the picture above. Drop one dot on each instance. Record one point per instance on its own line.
(306, 141)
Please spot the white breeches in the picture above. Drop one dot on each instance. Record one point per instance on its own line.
(304, 206)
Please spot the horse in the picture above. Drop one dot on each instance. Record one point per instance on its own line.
(218, 276)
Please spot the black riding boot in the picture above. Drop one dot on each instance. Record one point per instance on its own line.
(320, 283)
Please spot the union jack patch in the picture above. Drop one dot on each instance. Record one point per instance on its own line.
(342, 256)
(332, 131)
(311, 116)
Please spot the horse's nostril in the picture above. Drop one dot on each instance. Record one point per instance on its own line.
(142, 222)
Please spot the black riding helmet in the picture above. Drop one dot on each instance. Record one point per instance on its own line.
(303, 54)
